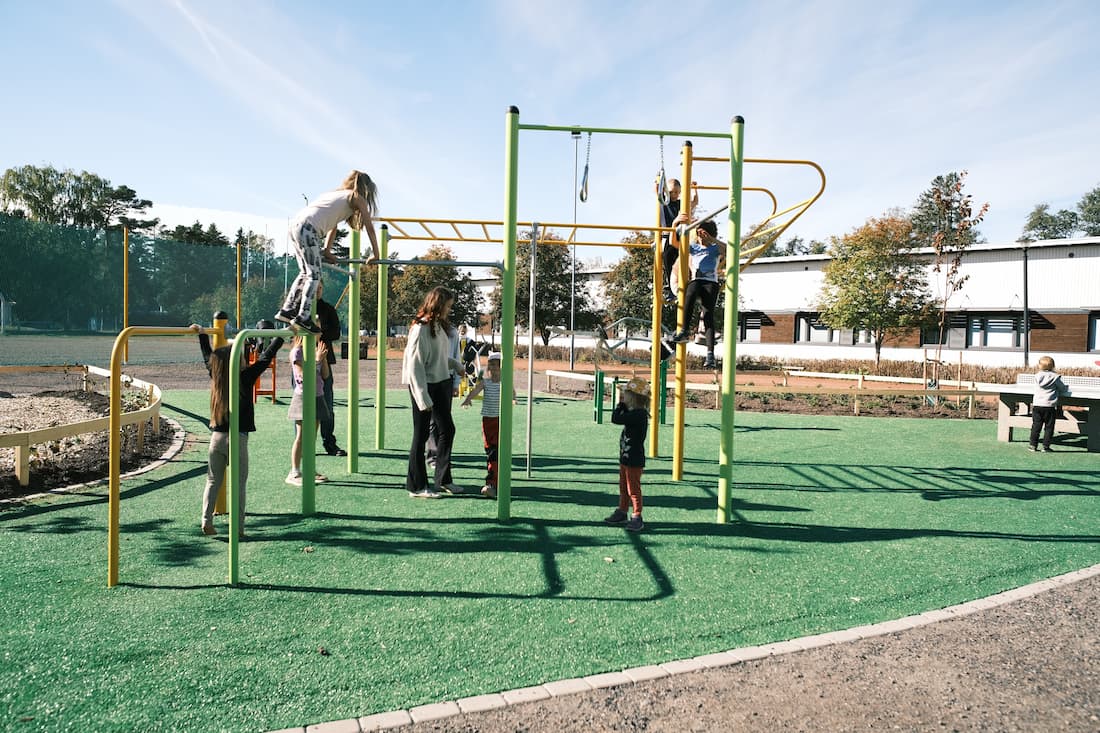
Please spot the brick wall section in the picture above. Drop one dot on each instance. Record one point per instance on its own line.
(1069, 333)
(907, 339)
(781, 330)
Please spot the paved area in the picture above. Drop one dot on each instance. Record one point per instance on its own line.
(1023, 660)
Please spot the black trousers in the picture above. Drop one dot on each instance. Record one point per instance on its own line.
(706, 292)
(436, 422)
(669, 255)
(1042, 418)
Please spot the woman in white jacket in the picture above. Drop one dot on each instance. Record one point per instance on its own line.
(426, 368)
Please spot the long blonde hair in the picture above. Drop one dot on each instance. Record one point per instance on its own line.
(219, 387)
(360, 183)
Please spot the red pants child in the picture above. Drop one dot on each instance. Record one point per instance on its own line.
(490, 430)
(630, 488)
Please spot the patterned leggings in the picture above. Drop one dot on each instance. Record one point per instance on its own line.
(307, 251)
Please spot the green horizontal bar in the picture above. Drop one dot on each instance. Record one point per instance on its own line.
(624, 131)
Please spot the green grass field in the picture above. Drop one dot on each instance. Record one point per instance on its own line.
(838, 522)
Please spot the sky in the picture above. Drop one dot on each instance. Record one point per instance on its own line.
(234, 112)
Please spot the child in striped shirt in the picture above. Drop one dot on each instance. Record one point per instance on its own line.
(490, 420)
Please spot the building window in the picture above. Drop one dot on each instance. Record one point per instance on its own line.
(809, 330)
(1094, 331)
(977, 331)
(750, 324)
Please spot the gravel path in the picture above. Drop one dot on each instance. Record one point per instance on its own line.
(1029, 665)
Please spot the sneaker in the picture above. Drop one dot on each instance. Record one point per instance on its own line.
(306, 324)
(708, 363)
(294, 478)
(489, 491)
(319, 478)
(336, 451)
(1033, 448)
(1048, 449)
(680, 338)
(616, 517)
(635, 524)
(452, 489)
(425, 494)
(286, 317)
(668, 295)
(208, 529)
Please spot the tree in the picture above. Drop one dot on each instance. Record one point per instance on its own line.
(1088, 210)
(1041, 224)
(873, 282)
(554, 284)
(368, 294)
(944, 220)
(944, 212)
(795, 246)
(629, 284)
(414, 281)
(77, 199)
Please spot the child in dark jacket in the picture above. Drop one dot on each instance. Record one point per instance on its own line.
(217, 364)
(631, 413)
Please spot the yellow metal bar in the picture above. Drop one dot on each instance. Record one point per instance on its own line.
(424, 226)
(114, 439)
(655, 345)
(682, 326)
(392, 224)
(485, 229)
(238, 284)
(457, 232)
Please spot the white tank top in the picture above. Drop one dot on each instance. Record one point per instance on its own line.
(326, 211)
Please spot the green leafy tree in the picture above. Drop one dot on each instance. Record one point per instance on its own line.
(1088, 210)
(554, 286)
(69, 198)
(1041, 224)
(629, 284)
(944, 220)
(414, 281)
(368, 295)
(873, 282)
(945, 214)
(795, 246)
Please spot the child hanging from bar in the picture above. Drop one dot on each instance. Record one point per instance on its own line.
(706, 271)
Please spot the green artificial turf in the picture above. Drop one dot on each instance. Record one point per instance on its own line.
(380, 601)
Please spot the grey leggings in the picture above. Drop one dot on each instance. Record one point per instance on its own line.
(217, 462)
(307, 251)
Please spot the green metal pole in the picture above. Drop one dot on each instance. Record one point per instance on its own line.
(234, 483)
(232, 489)
(508, 313)
(597, 398)
(729, 323)
(353, 358)
(382, 330)
(309, 425)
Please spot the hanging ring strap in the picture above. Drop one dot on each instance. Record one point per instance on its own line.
(663, 194)
(583, 193)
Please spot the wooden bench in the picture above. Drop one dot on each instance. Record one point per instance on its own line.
(1014, 410)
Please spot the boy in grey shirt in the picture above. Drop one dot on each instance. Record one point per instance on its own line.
(1044, 408)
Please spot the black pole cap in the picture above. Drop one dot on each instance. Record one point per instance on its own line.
(738, 120)
(513, 109)
(385, 226)
(221, 316)
(687, 143)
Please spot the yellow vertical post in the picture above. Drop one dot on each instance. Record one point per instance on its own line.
(218, 340)
(114, 459)
(681, 318)
(655, 342)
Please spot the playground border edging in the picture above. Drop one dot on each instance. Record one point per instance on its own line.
(448, 708)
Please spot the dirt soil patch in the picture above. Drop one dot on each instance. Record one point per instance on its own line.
(74, 459)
